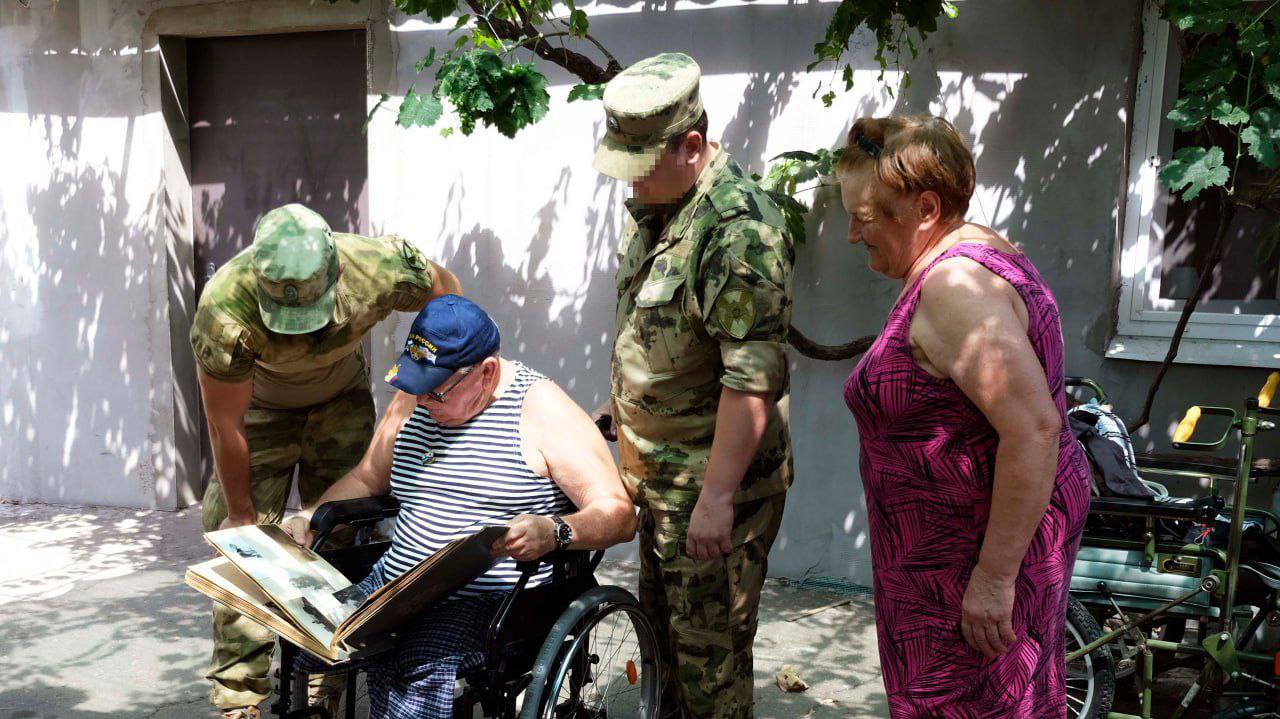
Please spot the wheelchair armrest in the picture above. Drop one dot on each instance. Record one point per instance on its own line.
(572, 561)
(353, 512)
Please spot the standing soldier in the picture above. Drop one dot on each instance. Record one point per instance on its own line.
(699, 380)
(277, 336)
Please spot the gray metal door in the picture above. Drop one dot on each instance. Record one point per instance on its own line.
(273, 119)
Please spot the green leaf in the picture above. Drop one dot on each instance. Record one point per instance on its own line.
(578, 23)
(483, 89)
(1263, 137)
(437, 10)
(1253, 41)
(426, 61)
(848, 77)
(1225, 111)
(419, 110)
(950, 10)
(828, 98)
(795, 213)
(1194, 169)
(1271, 79)
(446, 131)
(1209, 68)
(1205, 17)
(485, 39)
(1189, 112)
(585, 92)
(461, 23)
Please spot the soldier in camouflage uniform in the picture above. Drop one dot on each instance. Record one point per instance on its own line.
(699, 380)
(277, 336)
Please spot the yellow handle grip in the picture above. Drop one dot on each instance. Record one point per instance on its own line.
(1187, 426)
(1268, 390)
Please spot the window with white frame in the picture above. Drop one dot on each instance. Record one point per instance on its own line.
(1165, 238)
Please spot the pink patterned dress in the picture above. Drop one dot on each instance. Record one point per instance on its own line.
(927, 463)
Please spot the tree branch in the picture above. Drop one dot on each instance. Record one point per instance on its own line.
(828, 353)
(575, 63)
(1227, 212)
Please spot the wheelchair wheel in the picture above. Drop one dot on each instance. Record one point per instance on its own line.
(600, 660)
(1091, 679)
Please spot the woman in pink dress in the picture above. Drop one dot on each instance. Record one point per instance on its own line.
(976, 490)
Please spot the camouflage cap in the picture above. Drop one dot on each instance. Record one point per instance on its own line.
(297, 264)
(645, 105)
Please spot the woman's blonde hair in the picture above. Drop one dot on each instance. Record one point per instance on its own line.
(913, 154)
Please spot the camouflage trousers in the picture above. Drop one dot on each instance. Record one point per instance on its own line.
(323, 442)
(705, 612)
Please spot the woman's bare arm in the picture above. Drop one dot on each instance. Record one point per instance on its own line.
(969, 324)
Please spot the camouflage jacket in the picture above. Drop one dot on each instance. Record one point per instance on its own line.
(704, 302)
(231, 343)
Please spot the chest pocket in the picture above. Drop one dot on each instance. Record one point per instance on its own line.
(661, 323)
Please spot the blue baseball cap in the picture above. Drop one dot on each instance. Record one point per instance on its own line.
(450, 333)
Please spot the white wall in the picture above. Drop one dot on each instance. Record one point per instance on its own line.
(86, 413)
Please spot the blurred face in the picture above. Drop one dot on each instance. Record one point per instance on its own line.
(888, 224)
(677, 170)
(466, 394)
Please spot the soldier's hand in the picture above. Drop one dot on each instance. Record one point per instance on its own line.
(528, 537)
(298, 527)
(709, 528)
(237, 521)
(603, 417)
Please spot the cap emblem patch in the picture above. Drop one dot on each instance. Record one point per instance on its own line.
(290, 293)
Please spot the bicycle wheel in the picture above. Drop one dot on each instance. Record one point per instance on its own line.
(1091, 679)
(600, 660)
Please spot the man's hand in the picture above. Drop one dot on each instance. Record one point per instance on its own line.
(603, 418)
(528, 537)
(709, 528)
(986, 618)
(298, 527)
(238, 520)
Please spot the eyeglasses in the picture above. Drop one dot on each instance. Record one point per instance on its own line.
(461, 375)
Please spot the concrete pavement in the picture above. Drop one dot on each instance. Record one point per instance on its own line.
(95, 622)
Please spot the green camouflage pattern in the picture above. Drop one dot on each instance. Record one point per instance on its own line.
(297, 265)
(324, 442)
(705, 613)
(645, 105)
(232, 343)
(704, 301)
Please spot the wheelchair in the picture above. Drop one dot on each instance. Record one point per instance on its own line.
(1184, 581)
(569, 649)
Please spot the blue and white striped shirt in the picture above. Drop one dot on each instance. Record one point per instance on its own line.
(452, 481)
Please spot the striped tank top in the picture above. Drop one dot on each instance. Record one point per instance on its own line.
(453, 480)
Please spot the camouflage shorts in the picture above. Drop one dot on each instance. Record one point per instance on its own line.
(323, 442)
(705, 612)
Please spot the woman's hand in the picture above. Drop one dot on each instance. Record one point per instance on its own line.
(528, 537)
(298, 527)
(986, 615)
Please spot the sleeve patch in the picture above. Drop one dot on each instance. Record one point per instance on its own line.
(735, 312)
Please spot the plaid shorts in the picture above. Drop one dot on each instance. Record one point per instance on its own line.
(416, 679)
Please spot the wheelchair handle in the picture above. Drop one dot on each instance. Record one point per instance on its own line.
(1187, 426)
(1268, 391)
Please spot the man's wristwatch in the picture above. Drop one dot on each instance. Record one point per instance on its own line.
(563, 532)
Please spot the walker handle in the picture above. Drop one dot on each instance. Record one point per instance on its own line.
(1187, 426)
(1268, 390)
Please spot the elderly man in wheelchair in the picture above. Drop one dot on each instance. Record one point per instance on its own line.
(473, 439)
